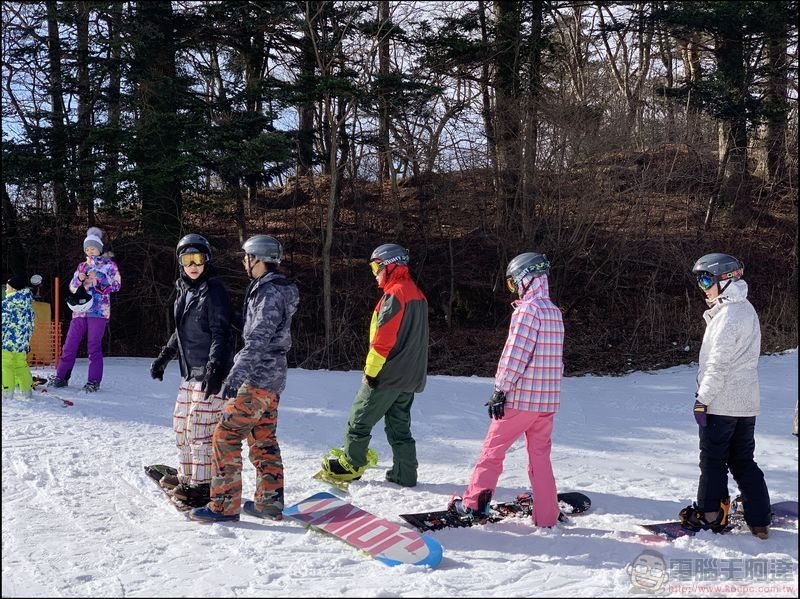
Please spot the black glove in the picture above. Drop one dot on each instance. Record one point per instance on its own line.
(370, 381)
(228, 392)
(212, 382)
(159, 365)
(496, 403)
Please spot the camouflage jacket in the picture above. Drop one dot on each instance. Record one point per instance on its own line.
(269, 304)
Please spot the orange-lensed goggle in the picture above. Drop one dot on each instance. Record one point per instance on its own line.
(190, 258)
(376, 266)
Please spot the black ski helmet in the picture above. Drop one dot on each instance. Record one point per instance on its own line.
(194, 243)
(717, 268)
(528, 263)
(264, 247)
(80, 301)
(389, 253)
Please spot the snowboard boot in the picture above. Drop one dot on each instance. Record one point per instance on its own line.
(169, 481)
(206, 514)
(91, 387)
(271, 511)
(340, 469)
(695, 520)
(192, 495)
(56, 382)
(762, 532)
(479, 514)
(159, 471)
(391, 478)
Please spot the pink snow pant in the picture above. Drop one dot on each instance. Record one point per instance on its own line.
(537, 428)
(94, 329)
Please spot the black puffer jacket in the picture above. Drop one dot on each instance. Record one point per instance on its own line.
(202, 325)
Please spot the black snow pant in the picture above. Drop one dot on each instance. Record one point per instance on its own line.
(727, 442)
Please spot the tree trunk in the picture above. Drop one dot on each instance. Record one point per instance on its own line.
(777, 103)
(528, 196)
(58, 136)
(384, 156)
(114, 82)
(507, 110)
(156, 147)
(85, 192)
(734, 192)
(486, 103)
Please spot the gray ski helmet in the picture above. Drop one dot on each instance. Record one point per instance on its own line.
(264, 247)
(720, 267)
(389, 253)
(193, 243)
(528, 263)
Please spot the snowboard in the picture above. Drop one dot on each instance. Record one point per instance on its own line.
(155, 473)
(522, 506)
(784, 513)
(386, 541)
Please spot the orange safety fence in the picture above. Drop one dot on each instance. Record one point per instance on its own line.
(46, 339)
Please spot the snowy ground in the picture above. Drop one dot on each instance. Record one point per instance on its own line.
(79, 518)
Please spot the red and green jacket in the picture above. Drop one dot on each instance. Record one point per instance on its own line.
(398, 335)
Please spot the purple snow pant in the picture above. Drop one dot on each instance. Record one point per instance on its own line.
(94, 329)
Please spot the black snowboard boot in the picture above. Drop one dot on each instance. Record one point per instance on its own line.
(695, 520)
(193, 495)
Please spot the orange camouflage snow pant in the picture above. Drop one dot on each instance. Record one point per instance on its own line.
(251, 415)
(194, 419)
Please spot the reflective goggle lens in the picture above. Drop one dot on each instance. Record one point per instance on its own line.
(190, 258)
(705, 281)
(510, 284)
(375, 266)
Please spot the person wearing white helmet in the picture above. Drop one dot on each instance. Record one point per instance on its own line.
(252, 389)
(95, 279)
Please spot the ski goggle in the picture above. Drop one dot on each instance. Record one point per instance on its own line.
(190, 258)
(512, 287)
(375, 266)
(705, 281)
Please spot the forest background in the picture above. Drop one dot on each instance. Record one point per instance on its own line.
(622, 139)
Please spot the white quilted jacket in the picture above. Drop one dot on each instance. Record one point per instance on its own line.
(727, 380)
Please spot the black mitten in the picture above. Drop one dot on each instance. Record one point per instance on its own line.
(159, 365)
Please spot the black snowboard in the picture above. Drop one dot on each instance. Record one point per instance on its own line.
(522, 506)
(155, 473)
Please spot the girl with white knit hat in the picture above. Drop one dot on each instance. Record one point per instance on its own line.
(95, 279)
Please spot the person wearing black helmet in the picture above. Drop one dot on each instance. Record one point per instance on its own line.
(526, 395)
(252, 390)
(201, 341)
(395, 369)
(727, 400)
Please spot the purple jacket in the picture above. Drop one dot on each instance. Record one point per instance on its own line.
(108, 280)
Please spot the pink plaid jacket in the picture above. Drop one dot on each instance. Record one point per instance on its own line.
(531, 366)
